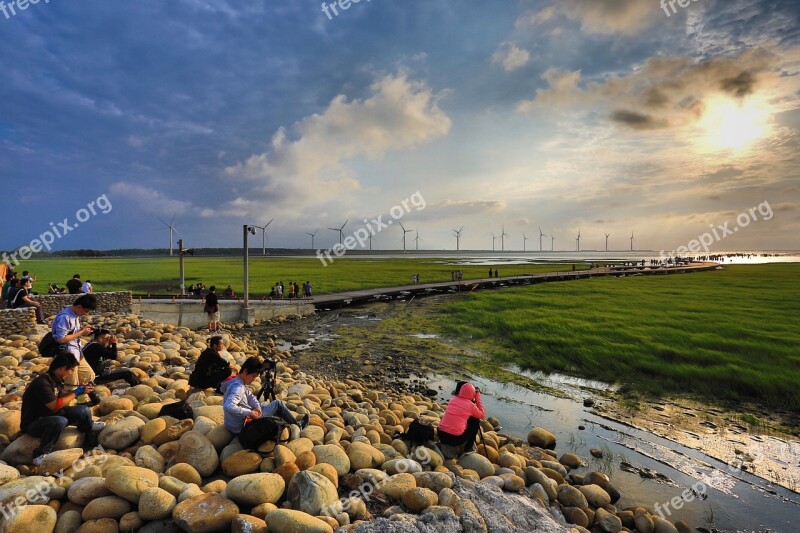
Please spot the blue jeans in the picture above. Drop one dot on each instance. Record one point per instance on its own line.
(49, 428)
(278, 408)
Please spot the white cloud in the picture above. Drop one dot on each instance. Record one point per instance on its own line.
(511, 56)
(606, 17)
(150, 200)
(399, 114)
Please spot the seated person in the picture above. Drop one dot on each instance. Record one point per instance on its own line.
(44, 414)
(462, 418)
(211, 367)
(22, 298)
(241, 406)
(228, 293)
(103, 348)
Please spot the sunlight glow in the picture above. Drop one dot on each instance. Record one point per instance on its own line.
(733, 125)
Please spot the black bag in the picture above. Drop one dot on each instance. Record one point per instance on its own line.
(48, 347)
(261, 430)
(418, 433)
(180, 410)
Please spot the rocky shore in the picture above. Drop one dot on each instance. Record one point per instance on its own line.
(343, 472)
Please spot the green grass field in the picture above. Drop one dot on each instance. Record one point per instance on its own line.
(161, 275)
(727, 335)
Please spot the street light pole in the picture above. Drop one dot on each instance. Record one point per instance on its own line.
(245, 230)
(181, 254)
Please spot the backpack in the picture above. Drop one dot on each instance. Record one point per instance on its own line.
(261, 430)
(180, 410)
(48, 347)
(13, 298)
(418, 433)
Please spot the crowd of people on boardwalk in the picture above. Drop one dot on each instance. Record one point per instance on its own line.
(291, 290)
(456, 275)
(415, 279)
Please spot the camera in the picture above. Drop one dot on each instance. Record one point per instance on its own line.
(270, 364)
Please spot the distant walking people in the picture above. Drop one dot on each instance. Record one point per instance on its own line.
(67, 331)
(496, 274)
(296, 290)
(309, 287)
(74, 285)
(211, 308)
(490, 272)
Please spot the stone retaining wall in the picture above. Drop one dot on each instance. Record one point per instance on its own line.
(114, 302)
(17, 322)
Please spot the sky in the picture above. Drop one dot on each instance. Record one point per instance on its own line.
(601, 117)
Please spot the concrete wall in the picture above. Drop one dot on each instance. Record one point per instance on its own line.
(190, 313)
(114, 302)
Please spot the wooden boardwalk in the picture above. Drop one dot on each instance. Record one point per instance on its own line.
(341, 299)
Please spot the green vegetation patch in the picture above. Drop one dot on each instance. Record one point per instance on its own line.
(723, 335)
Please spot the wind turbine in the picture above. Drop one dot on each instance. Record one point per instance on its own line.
(264, 236)
(370, 241)
(632, 239)
(578, 240)
(457, 235)
(524, 242)
(540, 238)
(171, 229)
(341, 231)
(494, 239)
(404, 234)
(503, 236)
(552, 241)
(417, 239)
(312, 237)
(607, 236)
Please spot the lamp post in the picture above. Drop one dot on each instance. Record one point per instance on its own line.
(245, 230)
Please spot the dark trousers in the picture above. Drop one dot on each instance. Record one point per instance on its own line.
(114, 375)
(467, 438)
(39, 313)
(49, 428)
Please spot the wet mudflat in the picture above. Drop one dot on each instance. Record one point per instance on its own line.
(653, 450)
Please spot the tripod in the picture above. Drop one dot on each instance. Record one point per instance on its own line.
(268, 376)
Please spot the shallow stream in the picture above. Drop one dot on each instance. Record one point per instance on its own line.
(647, 469)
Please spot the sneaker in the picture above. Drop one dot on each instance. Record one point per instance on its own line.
(303, 422)
(97, 426)
(38, 460)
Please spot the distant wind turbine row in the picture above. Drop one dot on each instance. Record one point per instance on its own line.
(457, 233)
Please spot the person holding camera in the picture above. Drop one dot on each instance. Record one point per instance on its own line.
(44, 406)
(102, 350)
(241, 407)
(462, 418)
(211, 367)
(67, 332)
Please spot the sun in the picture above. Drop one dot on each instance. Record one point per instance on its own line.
(733, 125)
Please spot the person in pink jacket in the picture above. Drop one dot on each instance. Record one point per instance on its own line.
(462, 418)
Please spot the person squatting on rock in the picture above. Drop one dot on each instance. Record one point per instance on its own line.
(241, 407)
(211, 367)
(44, 415)
(101, 350)
(462, 418)
(67, 331)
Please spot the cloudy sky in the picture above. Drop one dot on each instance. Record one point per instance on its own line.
(604, 116)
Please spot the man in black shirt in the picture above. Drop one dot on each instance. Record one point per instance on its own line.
(43, 413)
(211, 368)
(22, 299)
(212, 309)
(104, 348)
(74, 285)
